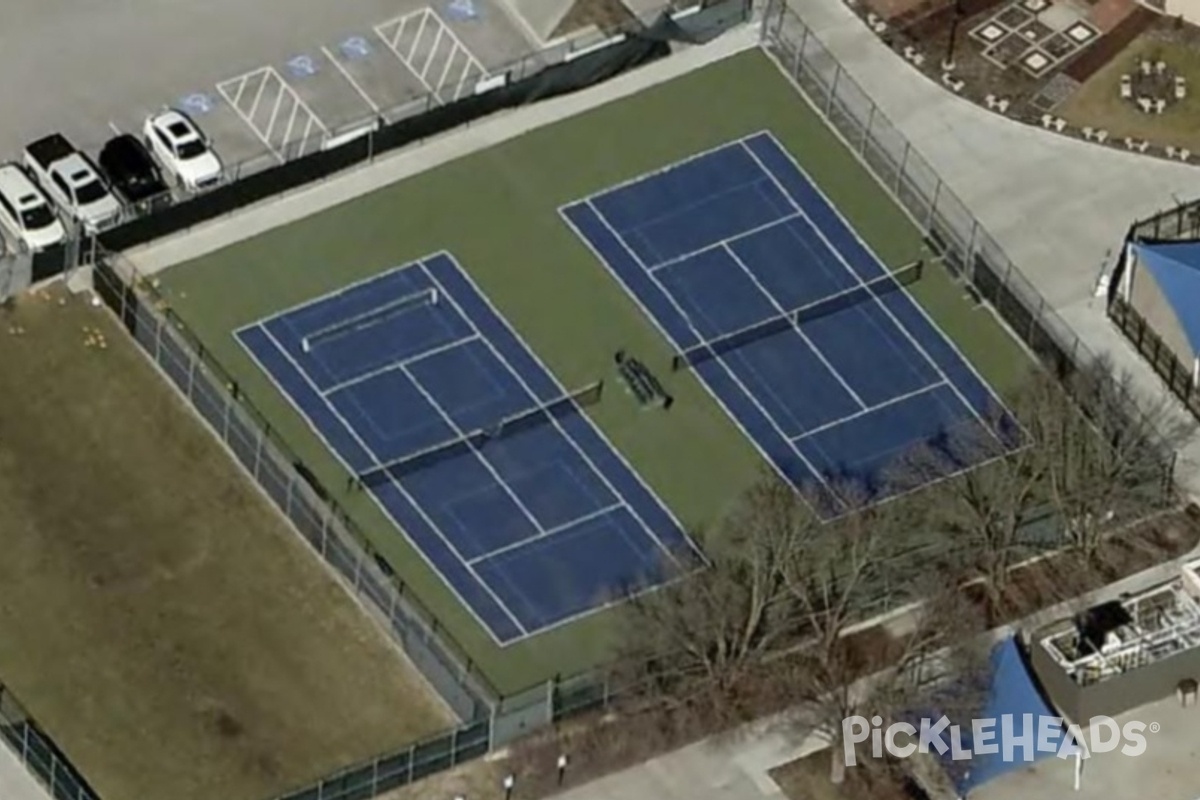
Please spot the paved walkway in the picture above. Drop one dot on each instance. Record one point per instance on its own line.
(15, 782)
(1057, 206)
(1076, 202)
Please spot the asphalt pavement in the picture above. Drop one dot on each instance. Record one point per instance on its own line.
(265, 78)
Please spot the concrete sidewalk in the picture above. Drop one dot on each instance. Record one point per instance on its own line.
(15, 782)
(1058, 207)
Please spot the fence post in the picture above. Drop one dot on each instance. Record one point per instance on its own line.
(900, 169)
(837, 73)
(937, 194)
(862, 147)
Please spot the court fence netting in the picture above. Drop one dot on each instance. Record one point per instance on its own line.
(873, 289)
(489, 720)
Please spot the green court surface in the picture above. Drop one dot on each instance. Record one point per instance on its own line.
(496, 211)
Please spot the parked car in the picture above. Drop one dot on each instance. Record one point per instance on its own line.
(182, 149)
(130, 169)
(71, 180)
(25, 212)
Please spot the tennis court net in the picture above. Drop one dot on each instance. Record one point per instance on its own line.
(840, 301)
(474, 440)
(369, 318)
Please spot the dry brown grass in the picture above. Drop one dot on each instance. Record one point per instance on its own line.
(1098, 102)
(158, 617)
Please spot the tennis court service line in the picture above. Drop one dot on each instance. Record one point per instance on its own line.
(474, 449)
(872, 409)
(746, 393)
(507, 326)
(401, 364)
(883, 306)
(547, 533)
(718, 244)
(411, 501)
(783, 311)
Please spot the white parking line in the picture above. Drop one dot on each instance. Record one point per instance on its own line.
(405, 35)
(350, 79)
(290, 129)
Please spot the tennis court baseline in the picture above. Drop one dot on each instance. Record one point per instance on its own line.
(808, 341)
(436, 407)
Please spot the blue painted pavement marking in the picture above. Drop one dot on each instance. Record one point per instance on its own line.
(462, 10)
(302, 66)
(196, 103)
(355, 48)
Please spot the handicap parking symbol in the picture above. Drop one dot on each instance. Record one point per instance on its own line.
(354, 48)
(462, 9)
(196, 104)
(302, 66)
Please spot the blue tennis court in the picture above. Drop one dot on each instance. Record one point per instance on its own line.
(828, 365)
(467, 441)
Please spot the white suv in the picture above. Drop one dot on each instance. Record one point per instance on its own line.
(182, 149)
(25, 212)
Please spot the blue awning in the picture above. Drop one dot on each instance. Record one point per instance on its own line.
(1175, 267)
(1017, 713)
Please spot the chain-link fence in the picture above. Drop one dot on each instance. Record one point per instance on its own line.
(290, 485)
(951, 230)
(38, 752)
(490, 720)
(1181, 223)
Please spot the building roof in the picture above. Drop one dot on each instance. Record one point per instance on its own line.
(1175, 267)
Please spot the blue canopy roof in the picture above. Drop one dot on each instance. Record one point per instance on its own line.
(1175, 267)
(1012, 695)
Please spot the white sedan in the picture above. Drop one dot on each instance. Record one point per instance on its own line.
(183, 150)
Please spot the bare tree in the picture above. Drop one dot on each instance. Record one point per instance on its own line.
(698, 640)
(1106, 462)
(777, 577)
(980, 493)
(926, 660)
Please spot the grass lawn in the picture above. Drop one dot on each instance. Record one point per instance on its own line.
(1098, 102)
(496, 211)
(159, 618)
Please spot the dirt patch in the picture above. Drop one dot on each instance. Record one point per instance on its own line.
(159, 618)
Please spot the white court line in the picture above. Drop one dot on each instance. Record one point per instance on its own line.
(545, 534)
(646, 529)
(394, 365)
(419, 508)
(554, 420)
(723, 242)
(1000, 404)
(725, 366)
(475, 450)
(842, 258)
(889, 402)
(350, 79)
(783, 312)
(657, 323)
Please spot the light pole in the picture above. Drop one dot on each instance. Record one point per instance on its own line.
(948, 61)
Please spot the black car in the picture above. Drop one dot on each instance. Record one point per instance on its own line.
(131, 171)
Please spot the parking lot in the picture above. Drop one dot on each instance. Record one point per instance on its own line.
(267, 80)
